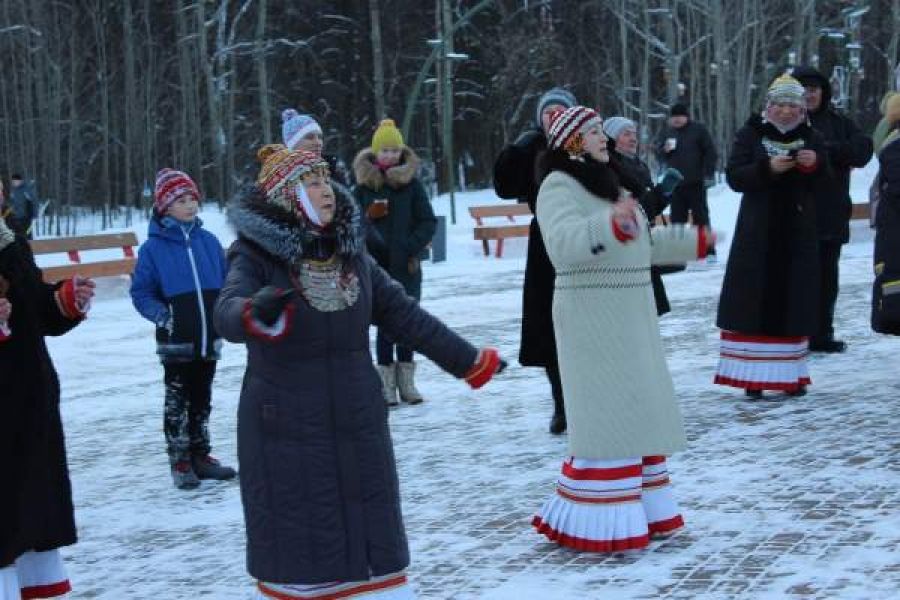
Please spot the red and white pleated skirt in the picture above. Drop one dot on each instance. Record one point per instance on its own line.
(35, 575)
(761, 362)
(386, 587)
(610, 505)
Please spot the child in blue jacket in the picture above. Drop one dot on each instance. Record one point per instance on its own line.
(180, 269)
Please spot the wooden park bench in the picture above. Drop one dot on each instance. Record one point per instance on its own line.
(860, 211)
(499, 232)
(74, 245)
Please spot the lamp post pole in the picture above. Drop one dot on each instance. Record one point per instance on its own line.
(447, 121)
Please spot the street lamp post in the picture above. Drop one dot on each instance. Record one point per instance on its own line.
(446, 84)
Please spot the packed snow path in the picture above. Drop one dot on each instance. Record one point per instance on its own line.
(782, 498)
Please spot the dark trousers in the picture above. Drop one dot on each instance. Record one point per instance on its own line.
(690, 197)
(829, 258)
(556, 390)
(187, 407)
(384, 350)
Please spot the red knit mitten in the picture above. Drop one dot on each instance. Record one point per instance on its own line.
(486, 365)
(66, 301)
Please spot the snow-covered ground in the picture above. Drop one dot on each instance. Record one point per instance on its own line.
(795, 498)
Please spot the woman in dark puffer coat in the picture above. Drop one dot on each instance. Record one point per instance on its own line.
(318, 479)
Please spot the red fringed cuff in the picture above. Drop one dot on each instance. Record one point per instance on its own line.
(484, 368)
(810, 169)
(270, 334)
(702, 243)
(621, 234)
(66, 302)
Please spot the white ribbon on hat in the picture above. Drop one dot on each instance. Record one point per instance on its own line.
(306, 205)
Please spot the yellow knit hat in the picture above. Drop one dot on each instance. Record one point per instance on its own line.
(386, 136)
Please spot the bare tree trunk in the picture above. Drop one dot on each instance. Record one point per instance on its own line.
(131, 197)
(377, 59)
(261, 73)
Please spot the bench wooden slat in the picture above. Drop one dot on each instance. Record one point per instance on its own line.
(106, 268)
(88, 242)
(500, 232)
(860, 211)
(517, 209)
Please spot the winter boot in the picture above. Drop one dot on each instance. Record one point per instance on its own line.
(389, 384)
(558, 423)
(207, 467)
(406, 384)
(183, 475)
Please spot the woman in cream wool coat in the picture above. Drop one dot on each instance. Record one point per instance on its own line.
(623, 419)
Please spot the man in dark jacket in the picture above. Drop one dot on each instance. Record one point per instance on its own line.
(846, 147)
(515, 178)
(22, 205)
(686, 145)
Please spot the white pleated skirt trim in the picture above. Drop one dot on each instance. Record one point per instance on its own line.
(394, 586)
(755, 362)
(35, 575)
(610, 505)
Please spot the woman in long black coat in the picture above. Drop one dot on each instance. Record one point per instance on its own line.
(515, 177)
(767, 309)
(36, 515)
(886, 255)
(318, 480)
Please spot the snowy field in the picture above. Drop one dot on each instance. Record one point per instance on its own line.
(782, 498)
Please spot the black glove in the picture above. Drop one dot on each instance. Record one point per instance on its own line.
(502, 366)
(267, 304)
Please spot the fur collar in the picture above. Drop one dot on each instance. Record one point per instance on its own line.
(596, 177)
(370, 176)
(287, 235)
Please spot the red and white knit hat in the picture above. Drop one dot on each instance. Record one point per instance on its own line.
(565, 125)
(170, 186)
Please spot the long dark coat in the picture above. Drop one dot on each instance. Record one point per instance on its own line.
(410, 224)
(886, 255)
(771, 280)
(515, 178)
(318, 478)
(635, 176)
(36, 502)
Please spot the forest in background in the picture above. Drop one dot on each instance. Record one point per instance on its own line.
(97, 95)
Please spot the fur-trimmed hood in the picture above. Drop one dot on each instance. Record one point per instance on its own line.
(288, 235)
(369, 175)
(596, 177)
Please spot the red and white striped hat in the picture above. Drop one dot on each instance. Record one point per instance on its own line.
(170, 186)
(567, 123)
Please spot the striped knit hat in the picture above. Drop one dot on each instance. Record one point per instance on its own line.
(567, 126)
(785, 90)
(281, 166)
(170, 186)
(295, 126)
